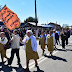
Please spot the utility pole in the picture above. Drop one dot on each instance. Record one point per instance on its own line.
(36, 20)
(35, 15)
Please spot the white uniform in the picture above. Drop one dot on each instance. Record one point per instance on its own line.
(46, 38)
(4, 40)
(15, 41)
(54, 41)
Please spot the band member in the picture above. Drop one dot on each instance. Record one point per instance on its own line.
(42, 42)
(31, 48)
(3, 42)
(15, 47)
(68, 35)
(54, 41)
(57, 35)
(46, 33)
(63, 38)
(50, 43)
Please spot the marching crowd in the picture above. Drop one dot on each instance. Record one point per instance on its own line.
(14, 39)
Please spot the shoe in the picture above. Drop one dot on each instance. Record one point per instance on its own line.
(36, 65)
(51, 55)
(27, 69)
(9, 65)
(43, 54)
(18, 63)
(63, 47)
(2, 62)
(7, 58)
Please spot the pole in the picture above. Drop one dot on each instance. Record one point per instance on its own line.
(36, 20)
(35, 15)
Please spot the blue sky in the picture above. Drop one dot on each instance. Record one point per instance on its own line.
(47, 10)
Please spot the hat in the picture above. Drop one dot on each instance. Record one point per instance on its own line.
(29, 31)
(54, 30)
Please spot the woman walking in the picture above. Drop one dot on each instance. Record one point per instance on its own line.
(42, 42)
(50, 43)
(31, 48)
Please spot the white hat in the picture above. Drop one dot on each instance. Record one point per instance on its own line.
(54, 30)
(29, 31)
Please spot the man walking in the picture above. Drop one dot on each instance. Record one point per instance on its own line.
(15, 47)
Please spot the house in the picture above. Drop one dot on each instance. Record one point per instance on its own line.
(55, 26)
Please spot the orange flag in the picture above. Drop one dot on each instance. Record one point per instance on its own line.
(0, 16)
(9, 18)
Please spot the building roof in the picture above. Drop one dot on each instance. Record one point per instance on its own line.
(48, 25)
(33, 23)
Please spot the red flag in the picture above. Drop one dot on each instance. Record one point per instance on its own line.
(9, 18)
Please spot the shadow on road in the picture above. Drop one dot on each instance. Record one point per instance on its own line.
(38, 70)
(64, 50)
(61, 50)
(56, 58)
(69, 45)
(6, 68)
(68, 49)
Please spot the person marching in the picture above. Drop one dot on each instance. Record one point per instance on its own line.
(46, 33)
(58, 36)
(3, 42)
(50, 43)
(42, 41)
(31, 48)
(54, 41)
(15, 45)
(68, 35)
(63, 38)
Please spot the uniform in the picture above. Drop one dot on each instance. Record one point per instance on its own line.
(31, 45)
(50, 44)
(42, 42)
(3, 42)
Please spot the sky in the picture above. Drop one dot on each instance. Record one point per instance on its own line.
(59, 11)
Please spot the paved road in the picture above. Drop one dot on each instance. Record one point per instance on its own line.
(60, 62)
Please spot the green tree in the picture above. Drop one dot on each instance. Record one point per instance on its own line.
(67, 27)
(29, 19)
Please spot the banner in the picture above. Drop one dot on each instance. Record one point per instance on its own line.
(0, 16)
(9, 18)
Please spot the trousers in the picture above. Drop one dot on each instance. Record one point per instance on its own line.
(13, 51)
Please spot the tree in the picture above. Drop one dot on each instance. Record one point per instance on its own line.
(29, 19)
(67, 27)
